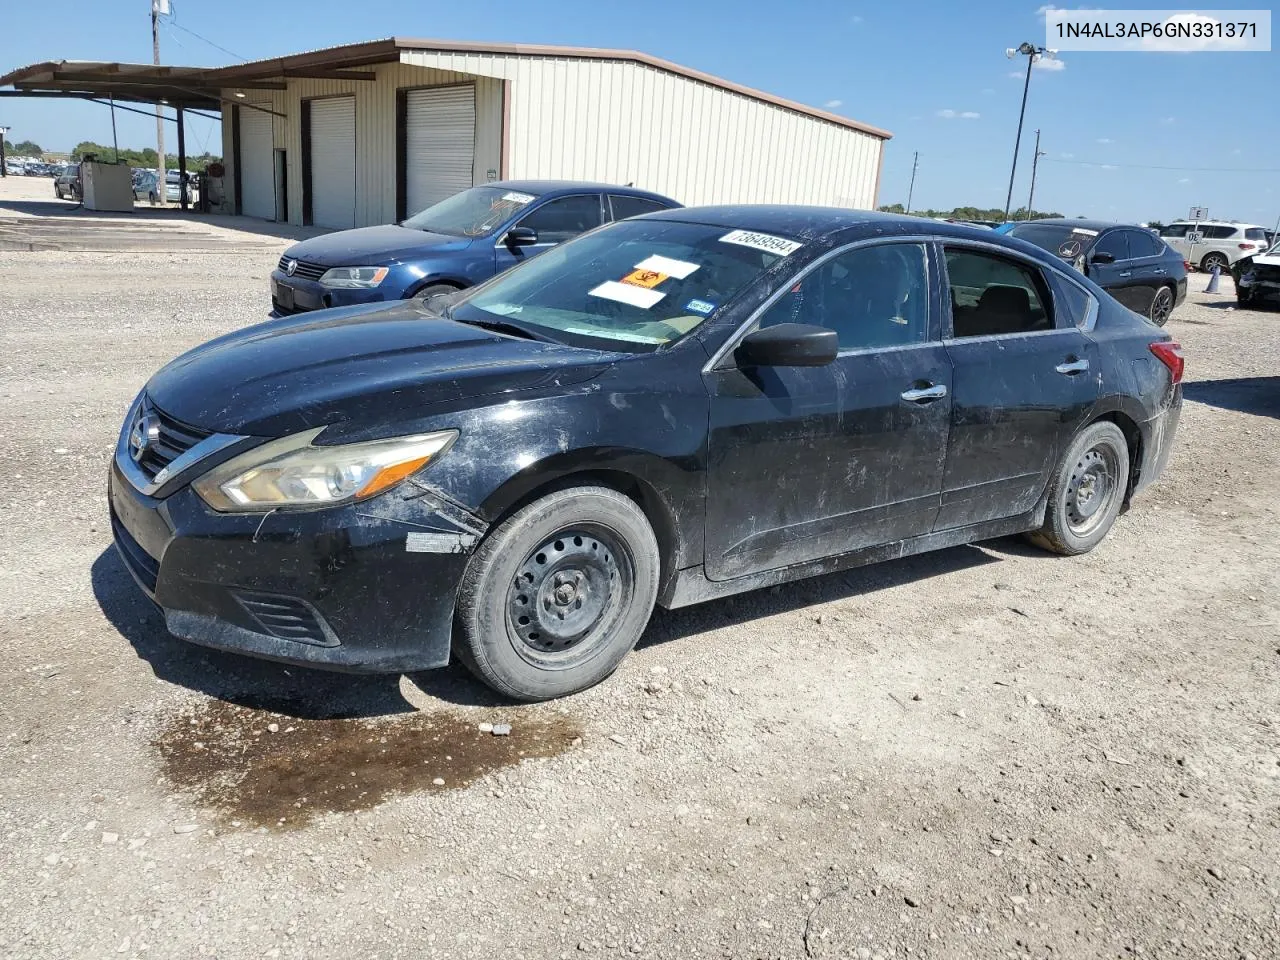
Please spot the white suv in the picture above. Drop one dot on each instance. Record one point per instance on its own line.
(1221, 242)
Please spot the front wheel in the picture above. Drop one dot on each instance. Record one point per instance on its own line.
(1087, 491)
(1161, 307)
(557, 594)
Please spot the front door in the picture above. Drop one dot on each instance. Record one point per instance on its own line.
(1025, 379)
(811, 462)
(554, 221)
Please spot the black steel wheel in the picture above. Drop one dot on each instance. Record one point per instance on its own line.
(1087, 491)
(1161, 307)
(557, 594)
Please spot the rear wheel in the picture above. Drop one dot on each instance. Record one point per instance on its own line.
(1213, 259)
(1161, 307)
(558, 594)
(1087, 491)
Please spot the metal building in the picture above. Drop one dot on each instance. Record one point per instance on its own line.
(409, 122)
(370, 133)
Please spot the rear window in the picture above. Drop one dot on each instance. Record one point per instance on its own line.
(1220, 232)
(624, 207)
(1256, 233)
(1059, 239)
(634, 285)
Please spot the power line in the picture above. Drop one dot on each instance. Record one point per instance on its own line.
(173, 22)
(1148, 166)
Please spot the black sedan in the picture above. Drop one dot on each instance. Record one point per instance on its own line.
(668, 409)
(1131, 263)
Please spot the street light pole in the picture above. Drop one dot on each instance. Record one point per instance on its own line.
(1032, 53)
(915, 162)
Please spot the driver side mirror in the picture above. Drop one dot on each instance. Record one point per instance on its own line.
(521, 237)
(788, 345)
(1102, 257)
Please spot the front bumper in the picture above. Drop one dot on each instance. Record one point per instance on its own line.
(357, 588)
(297, 295)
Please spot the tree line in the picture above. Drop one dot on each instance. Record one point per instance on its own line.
(145, 158)
(972, 213)
(23, 148)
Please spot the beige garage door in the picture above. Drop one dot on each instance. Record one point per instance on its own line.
(257, 180)
(333, 162)
(440, 143)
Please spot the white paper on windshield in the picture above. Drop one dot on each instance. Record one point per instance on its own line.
(614, 335)
(516, 197)
(672, 268)
(641, 297)
(762, 241)
(504, 309)
(1091, 233)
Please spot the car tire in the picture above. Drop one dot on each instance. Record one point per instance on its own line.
(1209, 259)
(1161, 306)
(433, 290)
(1087, 491)
(557, 594)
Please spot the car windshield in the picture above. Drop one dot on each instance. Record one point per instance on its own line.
(471, 213)
(635, 285)
(1060, 239)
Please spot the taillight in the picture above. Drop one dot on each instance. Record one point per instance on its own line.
(1169, 353)
(1246, 246)
(1186, 265)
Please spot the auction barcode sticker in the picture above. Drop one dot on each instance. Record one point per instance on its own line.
(1156, 31)
(762, 241)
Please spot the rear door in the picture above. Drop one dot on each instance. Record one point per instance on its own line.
(813, 462)
(1025, 379)
(1148, 266)
(555, 221)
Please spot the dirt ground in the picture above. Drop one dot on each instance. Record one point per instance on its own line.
(983, 752)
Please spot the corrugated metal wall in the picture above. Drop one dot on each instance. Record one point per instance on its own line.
(623, 122)
(375, 132)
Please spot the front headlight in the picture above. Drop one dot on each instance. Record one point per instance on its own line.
(291, 472)
(349, 277)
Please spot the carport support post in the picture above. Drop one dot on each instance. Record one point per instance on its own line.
(3, 131)
(182, 161)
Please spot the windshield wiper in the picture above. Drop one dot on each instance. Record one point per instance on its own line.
(498, 326)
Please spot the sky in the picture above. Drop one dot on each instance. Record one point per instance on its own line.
(933, 73)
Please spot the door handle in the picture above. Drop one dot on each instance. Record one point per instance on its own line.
(1126, 273)
(1072, 367)
(925, 394)
(1160, 271)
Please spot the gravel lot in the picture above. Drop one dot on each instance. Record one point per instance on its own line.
(983, 752)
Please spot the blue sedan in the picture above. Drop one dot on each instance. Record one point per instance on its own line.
(452, 245)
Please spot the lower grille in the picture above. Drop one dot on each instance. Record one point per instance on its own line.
(144, 567)
(287, 618)
(307, 271)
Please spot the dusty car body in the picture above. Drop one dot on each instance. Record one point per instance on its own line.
(669, 409)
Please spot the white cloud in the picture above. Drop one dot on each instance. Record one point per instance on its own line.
(969, 115)
(1068, 156)
(832, 104)
(1168, 120)
(855, 19)
(1235, 152)
(1105, 140)
(1184, 179)
(1017, 75)
(949, 114)
(1108, 166)
(988, 90)
(1051, 64)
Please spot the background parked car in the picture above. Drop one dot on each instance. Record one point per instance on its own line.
(66, 186)
(1257, 279)
(144, 187)
(452, 245)
(1222, 242)
(1130, 263)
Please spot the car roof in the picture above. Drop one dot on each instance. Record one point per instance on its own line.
(817, 223)
(1221, 223)
(545, 187)
(1080, 223)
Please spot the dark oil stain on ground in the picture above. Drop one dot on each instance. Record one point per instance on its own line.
(229, 759)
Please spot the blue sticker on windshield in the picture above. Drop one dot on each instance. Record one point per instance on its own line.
(700, 306)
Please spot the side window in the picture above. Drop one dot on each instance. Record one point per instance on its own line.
(1256, 234)
(1143, 243)
(1175, 230)
(564, 218)
(1223, 232)
(624, 207)
(991, 295)
(872, 297)
(1071, 303)
(1115, 243)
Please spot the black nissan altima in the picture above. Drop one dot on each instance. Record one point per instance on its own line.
(665, 410)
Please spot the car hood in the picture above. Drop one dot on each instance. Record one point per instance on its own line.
(389, 243)
(1268, 259)
(358, 366)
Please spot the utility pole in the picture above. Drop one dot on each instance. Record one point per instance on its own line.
(3, 171)
(1035, 162)
(915, 162)
(162, 175)
(1032, 53)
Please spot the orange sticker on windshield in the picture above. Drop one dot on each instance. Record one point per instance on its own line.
(645, 278)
